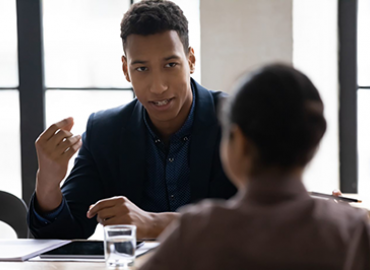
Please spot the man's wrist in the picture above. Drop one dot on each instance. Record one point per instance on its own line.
(159, 222)
(150, 232)
(48, 198)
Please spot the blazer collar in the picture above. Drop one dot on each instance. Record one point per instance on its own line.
(203, 143)
(132, 155)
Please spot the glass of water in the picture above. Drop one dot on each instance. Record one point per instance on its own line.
(119, 245)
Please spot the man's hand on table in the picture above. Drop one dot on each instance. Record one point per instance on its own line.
(120, 210)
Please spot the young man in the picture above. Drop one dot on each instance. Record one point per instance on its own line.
(140, 162)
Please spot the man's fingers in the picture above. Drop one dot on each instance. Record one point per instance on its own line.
(67, 143)
(337, 192)
(100, 205)
(49, 133)
(69, 126)
(107, 213)
(67, 154)
(114, 221)
(59, 137)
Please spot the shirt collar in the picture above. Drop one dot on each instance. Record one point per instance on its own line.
(183, 133)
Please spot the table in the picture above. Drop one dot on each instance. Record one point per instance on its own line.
(65, 265)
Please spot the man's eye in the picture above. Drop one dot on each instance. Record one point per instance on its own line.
(171, 65)
(141, 69)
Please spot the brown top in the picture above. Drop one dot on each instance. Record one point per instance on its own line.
(275, 224)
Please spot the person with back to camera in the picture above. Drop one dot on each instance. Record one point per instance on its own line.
(272, 126)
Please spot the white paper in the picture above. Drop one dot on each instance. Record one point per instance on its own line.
(23, 249)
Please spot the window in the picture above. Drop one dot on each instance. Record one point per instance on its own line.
(10, 163)
(83, 69)
(82, 43)
(81, 103)
(8, 49)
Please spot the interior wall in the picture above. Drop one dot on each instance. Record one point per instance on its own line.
(238, 35)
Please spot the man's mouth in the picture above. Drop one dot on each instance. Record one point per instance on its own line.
(160, 103)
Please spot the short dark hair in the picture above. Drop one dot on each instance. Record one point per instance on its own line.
(280, 110)
(152, 17)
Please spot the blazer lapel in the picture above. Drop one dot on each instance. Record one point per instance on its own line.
(132, 156)
(205, 136)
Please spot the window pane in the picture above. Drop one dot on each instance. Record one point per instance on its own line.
(363, 45)
(10, 154)
(82, 43)
(8, 44)
(363, 112)
(61, 104)
(192, 13)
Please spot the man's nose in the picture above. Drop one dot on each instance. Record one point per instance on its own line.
(158, 85)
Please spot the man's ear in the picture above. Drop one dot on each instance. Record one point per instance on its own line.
(124, 68)
(191, 60)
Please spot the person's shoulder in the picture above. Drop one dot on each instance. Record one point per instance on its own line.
(339, 214)
(113, 117)
(216, 95)
(204, 214)
(116, 112)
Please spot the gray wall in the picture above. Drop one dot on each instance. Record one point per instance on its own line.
(237, 35)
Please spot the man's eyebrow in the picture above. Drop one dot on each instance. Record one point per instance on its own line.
(138, 62)
(171, 57)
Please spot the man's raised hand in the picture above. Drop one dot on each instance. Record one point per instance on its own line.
(54, 147)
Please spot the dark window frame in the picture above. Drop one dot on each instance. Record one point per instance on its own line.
(347, 22)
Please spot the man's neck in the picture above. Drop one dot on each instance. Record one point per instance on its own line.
(166, 129)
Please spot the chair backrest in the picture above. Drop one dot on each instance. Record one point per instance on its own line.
(13, 211)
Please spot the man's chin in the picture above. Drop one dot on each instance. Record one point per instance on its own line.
(164, 118)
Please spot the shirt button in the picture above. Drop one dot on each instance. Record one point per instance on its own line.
(171, 159)
(185, 139)
(172, 197)
(157, 141)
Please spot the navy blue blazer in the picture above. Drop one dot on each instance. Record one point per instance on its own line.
(111, 162)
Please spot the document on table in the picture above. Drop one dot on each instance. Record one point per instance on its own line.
(139, 252)
(24, 249)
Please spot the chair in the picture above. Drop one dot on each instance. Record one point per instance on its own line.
(13, 211)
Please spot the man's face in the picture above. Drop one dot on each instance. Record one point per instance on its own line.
(159, 70)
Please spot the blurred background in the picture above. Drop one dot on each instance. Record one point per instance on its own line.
(61, 58)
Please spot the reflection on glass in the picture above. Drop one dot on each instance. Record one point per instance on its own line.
(363, 112)
(79, 105)
(8, 44)
(82, 43)
(10, 154)
(363, 44)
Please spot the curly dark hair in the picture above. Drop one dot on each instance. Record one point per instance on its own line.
(280, 110)
(155, 16)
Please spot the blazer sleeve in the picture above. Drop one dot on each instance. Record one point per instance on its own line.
(82, 188)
